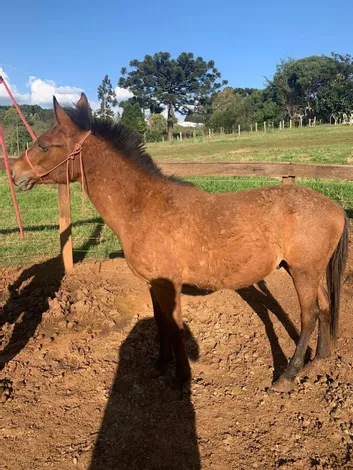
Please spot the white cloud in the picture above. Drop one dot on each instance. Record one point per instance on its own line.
(4, 97)
(122, 94)
(42, 91)
(94, 105)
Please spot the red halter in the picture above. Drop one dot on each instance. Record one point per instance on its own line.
(77, 151)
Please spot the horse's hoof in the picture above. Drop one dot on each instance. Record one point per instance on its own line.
(283, 385)
(5, 390)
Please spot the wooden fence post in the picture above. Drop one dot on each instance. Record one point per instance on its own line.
(65, 227)
(264, 126)
(255, 126)
(288, 179)
(238, 129)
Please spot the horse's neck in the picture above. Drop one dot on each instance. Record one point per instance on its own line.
(117, 188)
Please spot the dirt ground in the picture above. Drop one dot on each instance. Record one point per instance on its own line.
(81, 392)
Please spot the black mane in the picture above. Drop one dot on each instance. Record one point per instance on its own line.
(123, 139)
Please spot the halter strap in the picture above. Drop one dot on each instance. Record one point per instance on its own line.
(77, 151)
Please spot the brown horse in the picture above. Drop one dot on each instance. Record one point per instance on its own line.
(175, 234)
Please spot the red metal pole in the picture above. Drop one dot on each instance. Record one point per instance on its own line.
(7, 166)
(2, 80)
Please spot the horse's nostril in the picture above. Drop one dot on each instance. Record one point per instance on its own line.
(12, 173)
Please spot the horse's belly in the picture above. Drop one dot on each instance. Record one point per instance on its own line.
(229, 273)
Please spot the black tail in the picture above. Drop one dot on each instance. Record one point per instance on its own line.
(334, 274)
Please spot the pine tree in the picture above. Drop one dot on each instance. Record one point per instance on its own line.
(176, 84)
(133, 117)
(107, 97)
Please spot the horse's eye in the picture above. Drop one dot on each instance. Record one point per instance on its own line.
(42, 147)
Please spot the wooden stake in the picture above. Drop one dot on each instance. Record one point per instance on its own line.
(65, 228)
(288, 179)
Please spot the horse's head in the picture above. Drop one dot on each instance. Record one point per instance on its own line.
(42, 161)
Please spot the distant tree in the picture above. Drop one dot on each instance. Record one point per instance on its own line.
(159, 81)
(336, 98)
(196, 115)
(296, 84)
(158, 123)
(231, 109)
(133, 117)
(14, 131)
(265, 107)
(107, 98)
(16, 135)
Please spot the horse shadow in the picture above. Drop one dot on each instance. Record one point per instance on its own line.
(145, 425)
(142, 427)
(263, 304)
(29, 298)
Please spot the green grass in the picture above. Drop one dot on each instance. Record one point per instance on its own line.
(39, 213)
(95, 240)
(320, 144)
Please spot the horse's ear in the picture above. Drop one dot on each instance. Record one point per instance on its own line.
(82, 102)
(62, 119)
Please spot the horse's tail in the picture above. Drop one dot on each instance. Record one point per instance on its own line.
(334, 275)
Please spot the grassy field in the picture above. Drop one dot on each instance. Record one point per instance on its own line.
(320, 144)
(93, 239)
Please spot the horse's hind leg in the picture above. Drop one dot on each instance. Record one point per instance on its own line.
(306, 285)
(324, 338)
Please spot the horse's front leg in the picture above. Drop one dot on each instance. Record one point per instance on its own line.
(165, 355)
(167, 294)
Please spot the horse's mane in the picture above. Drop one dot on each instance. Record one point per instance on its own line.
(126, 141)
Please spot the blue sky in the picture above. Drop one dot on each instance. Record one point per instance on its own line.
(69, 46)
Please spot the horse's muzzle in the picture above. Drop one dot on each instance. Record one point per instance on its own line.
(23, 180)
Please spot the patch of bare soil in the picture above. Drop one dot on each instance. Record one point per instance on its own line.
(81, 392)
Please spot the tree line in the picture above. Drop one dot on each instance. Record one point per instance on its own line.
(318, 87)
(315, 87)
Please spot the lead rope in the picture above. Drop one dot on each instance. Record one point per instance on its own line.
(7, 165)
(13, 194)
